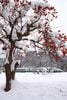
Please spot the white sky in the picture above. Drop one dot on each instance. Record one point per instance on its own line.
(61, 6)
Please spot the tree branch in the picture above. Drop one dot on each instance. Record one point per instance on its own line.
(33, 29)
(35, 21)
(6, 19)
(15, 21)
(2, 40)
(18, 47)
(5, 31)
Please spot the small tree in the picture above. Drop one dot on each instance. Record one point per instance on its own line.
(19, 21)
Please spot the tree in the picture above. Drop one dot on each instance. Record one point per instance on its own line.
(19, 21)
(62, 43)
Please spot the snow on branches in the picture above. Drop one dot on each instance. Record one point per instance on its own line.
(27, 20)
(26, 23)
(62, 43)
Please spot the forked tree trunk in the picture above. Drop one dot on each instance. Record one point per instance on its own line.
(9, 75)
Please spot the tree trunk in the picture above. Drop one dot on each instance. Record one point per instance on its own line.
(13, 72)
(13, 75)
(9, 75)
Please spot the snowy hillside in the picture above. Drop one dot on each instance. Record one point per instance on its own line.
(29, 86)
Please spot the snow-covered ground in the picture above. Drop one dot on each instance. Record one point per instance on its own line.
(30, 86)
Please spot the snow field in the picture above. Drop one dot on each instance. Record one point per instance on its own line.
(29, 86)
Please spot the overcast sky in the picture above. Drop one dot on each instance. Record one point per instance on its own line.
(61, 6)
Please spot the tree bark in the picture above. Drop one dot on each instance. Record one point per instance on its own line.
(13, 75)
(14, 71)
(9, 75)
